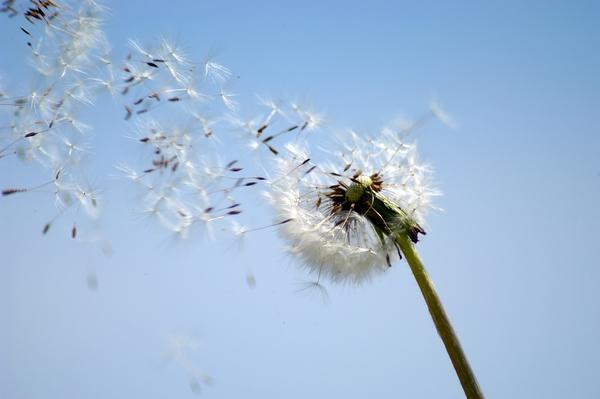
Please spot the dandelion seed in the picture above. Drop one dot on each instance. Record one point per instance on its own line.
(260, 130)
(311, 119)
(216, 71)
(275, 110)
(139, 49)
(227, 99)
(10, 191)
(314, 287)
(92, 281)
(442, 115)
(180, 350)
(250, 280)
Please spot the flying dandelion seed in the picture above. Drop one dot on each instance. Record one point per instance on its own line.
(313, 287)
(92, 281)
(181, 349)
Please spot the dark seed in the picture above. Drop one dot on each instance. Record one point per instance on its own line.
(310, 170)
(261, 130)
(10, 191)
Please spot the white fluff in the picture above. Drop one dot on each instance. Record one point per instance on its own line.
(352, 254)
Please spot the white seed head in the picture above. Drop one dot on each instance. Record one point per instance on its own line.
(326, 233)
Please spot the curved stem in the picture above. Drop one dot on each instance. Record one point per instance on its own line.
(442, 323)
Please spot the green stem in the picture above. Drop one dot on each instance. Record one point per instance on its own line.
(442, 323)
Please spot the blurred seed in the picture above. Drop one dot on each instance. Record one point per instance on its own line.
(92, 281)
(10, 191)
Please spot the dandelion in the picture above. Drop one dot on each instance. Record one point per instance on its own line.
(357, 211)
(335, 232)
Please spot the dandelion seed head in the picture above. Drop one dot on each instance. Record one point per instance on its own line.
(331, 231)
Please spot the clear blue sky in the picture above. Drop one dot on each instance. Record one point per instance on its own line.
(515, 254)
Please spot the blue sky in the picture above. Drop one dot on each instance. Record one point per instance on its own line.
(514, 254)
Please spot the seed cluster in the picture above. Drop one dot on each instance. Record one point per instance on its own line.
(66, 45)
